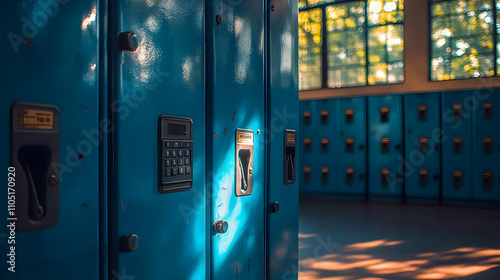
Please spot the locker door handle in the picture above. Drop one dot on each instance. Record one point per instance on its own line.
(423, 177)
(221, 226)
(457, 111)
(458, 179)
(324, 116)
(488, 145)
(488, 110)
(307, 174)
(423, 145)
(422, 112)
(384, 114)
(324, 145)
(307, 144)
(487, 180)
(307, 117)
(457, 145)
(129, 243)
(385, 176)
(349, 116)
(385, 145)
(349, 176)
(324, 175)
(349, 145)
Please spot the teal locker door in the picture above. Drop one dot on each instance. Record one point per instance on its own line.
(283, 114)
(422, 148)
(385, 127)
(456, 116)
(50, 56)
(320, 147)
(351, 166)
(235, 80)
(486, 168)
(304, 143)
(163, 76)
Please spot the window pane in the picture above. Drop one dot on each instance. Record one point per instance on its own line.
(346, 39)
(311, 3)
(302, 4)
(310, 43)
(385, 41)
(462, 41)
(498, 37)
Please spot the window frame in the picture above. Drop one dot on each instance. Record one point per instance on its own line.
(324, 47)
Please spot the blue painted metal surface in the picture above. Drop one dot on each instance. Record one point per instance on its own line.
(50, 56)
(283, 113)
(304, 149)
(352, 156)
(422, 145)
(486, 157)
(235, 81)
(165, 75)
(319, 154)
(457, 110)
(385, 125)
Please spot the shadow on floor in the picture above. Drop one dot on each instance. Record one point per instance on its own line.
(367, 241)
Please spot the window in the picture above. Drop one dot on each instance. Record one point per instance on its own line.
(463, 39)
(356, 52)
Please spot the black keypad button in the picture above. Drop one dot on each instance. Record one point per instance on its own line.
(175, 171)
(188, 170)
(168, 144)
(180, 162)
(188, 145)
(187, 162)
(166, 163)
(176, 144)
(181, 153)
(167, 153)
(181, 170)
(167, 171)
(174, 162)
(187, 153)
(174, 153)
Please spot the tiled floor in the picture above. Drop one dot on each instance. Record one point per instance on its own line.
(368, 241)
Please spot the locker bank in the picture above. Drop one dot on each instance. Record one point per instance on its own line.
(232, 139)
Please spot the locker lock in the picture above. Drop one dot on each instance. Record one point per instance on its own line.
(221, 226)
(458, 179)
(488, 145)
(324, 144)
(129, 243)
(487, 110)
(423, 177)
(275, 207)
(487, 180)
(385, 176)
(324, 116)
(349, 175)
(457, 111)
(384, 114)
(349, 115)
(423, 145)
(349, 145)
(324, 174)
(307, 144)
(386, 143)
(422, 112)
(307, 173)
(307, 117)
(457, 145)
(128, 41)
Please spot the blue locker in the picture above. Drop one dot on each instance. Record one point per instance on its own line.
(49, 51)
(486, 168)
(304, 143)
(351, 166)
(235, 57)
(456, 117)
(422, 144)
(318, 164)
(164, 76)
(283, 200)
(385, 161)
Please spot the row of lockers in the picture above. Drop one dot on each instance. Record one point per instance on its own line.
(428, 146)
